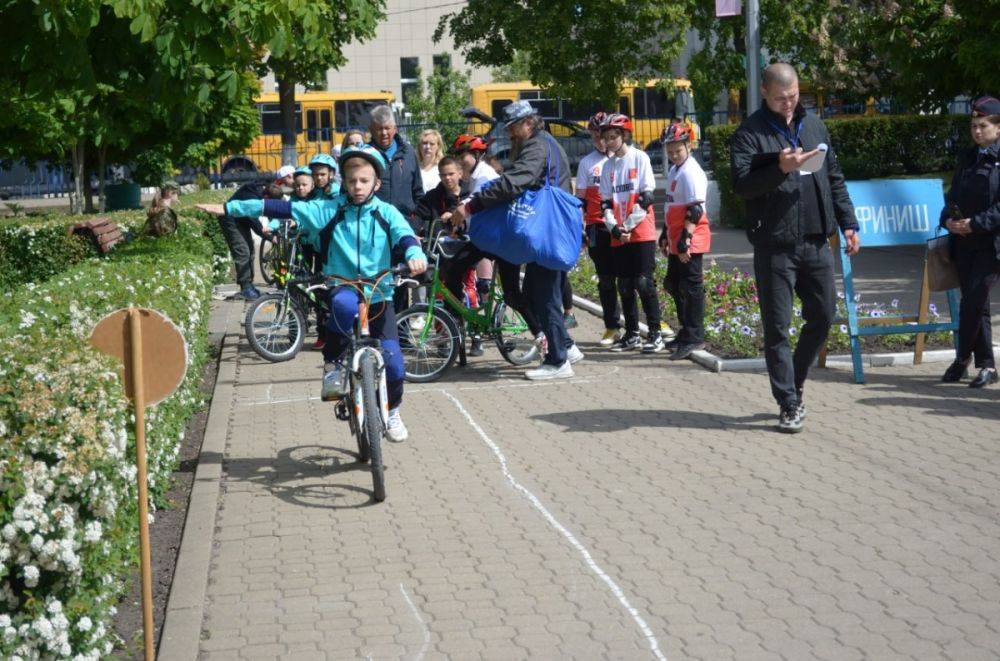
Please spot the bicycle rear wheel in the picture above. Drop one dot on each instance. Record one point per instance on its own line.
(275, 327)
(374, 426)
(270, 253)
(514, 340)
(429, 346)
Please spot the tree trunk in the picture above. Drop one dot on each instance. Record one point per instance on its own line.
(76, 201)
(88, 197)
(101, 172)
(289, 126)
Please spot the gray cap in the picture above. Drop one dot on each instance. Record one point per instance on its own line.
(515, 112)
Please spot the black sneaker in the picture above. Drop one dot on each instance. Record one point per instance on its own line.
(627, 343)
(801, 404)
(477, 347)
(684, 351)
(789, 420)
(987, 376)
(957, 371)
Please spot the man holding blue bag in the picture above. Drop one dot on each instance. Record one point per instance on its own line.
(529, 216)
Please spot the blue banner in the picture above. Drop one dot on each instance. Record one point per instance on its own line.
(897, 212)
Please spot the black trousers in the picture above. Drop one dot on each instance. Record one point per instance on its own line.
(634, 266)
(567, 292)
(600, 251)
(239, 238)
(685, 284)
(805, 269)
(978, 271)
(510, 278)
(543, 288)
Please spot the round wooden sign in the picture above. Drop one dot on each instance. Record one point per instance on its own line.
(163, 351)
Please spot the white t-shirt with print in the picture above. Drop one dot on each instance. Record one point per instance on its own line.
(588, 185)
(623, 179)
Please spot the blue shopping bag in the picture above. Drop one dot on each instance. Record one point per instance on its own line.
(541, 226)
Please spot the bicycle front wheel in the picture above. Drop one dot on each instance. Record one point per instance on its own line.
(374, 426)
(514, 340)
(429, 344)
(275, 327)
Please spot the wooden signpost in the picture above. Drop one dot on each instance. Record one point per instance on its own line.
(154, 360)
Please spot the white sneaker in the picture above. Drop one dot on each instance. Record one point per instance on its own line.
(548, 372)
(574, 355)
(395, 429)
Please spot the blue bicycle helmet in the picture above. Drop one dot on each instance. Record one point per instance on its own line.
(323, 159)
(368, 153)
(303, 170)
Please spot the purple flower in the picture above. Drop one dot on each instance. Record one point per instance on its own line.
(933, 309)
(895, 303)
(843, 328)
(746, 330)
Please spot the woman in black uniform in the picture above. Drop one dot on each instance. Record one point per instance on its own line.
(972, 216)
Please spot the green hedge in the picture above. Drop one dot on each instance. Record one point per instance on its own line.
(68, 508)
(868, 148)
(36, 248)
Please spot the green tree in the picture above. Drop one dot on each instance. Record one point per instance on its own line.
(438, 100)
(580, 50)
(302, 41)
(518, 69)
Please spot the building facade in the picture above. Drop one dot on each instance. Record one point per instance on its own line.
(403, 43)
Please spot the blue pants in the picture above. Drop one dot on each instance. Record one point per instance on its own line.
(381, 324)
(544, 290)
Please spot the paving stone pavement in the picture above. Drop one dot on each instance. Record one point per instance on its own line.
(648, 510)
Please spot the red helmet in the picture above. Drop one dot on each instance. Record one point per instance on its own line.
(675, 133)
(594, 123)
(616, 120)
(466, 142)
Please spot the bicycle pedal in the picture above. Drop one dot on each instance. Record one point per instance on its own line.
(340, 410)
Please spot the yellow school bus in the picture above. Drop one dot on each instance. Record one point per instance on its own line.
(321, 118)
(650, 107)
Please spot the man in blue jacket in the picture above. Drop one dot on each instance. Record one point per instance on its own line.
(401, 184)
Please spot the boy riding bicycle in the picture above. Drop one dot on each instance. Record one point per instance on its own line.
(357, 233)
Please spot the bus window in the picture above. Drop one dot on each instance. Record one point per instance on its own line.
(653, 102)
(270, 118)
(354, 114)
(318, 124)
(544, 107)
(623, 106)
(496, 108)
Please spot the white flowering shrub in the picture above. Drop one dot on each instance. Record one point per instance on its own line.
(68, 529)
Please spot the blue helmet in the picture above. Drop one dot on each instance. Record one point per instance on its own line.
(368, 153)
(323, 159)
(302, 170)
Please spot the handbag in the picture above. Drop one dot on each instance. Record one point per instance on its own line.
(540, 226)
(941, 272)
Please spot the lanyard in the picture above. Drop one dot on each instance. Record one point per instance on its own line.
(794, 140)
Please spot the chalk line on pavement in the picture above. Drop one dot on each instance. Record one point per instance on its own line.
(420, 621)
(654, 645)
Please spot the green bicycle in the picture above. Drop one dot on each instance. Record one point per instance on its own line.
(432, 337)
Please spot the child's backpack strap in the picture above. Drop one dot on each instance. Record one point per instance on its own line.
(326, 234)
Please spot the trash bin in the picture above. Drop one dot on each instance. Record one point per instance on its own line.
(122, 196)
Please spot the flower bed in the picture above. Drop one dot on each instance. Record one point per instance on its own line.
(732, 314)
(68, 529)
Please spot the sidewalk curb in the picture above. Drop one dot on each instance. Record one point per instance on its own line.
(713, 363)
(181, 634)
(709, 361)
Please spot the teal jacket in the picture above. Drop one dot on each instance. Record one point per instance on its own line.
(360, 244)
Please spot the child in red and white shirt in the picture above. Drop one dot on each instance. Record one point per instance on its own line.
(627, 186)
(685, 239)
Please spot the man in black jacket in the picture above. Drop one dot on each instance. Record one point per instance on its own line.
(402, 184)
(794, 204)
(535, 157)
